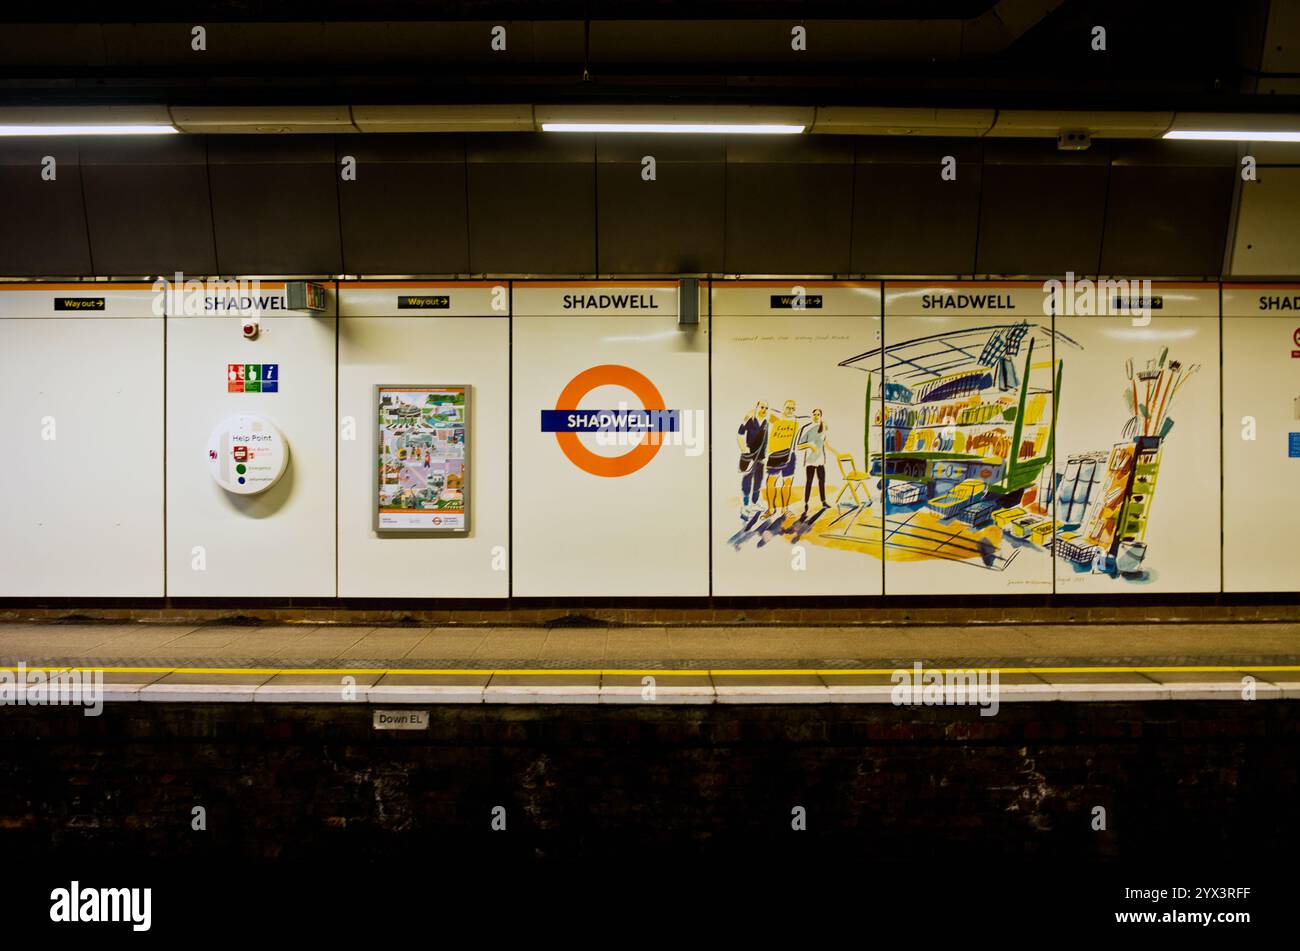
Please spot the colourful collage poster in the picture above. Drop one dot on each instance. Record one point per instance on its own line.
(422, 454)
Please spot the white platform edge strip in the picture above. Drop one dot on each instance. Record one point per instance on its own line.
(731, 693)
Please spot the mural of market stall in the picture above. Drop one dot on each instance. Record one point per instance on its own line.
(1137, 474)
(792, 511)
(1261, 437)
(963, 407)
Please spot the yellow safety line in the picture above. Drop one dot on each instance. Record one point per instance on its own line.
(666, 672)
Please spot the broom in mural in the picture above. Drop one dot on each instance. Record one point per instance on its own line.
(1166, 383)
(1130, 428)
(1177, 378)
(1160, 382)
(1151, 377)
(1119, 520)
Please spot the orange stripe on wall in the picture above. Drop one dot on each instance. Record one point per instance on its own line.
(942, 283)
(451, 285)
(33, 286)
(657, 284)
(721, 285)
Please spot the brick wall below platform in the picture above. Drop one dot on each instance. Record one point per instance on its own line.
(877, 782)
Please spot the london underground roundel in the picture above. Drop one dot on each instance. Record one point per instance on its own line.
(247, 454)
(651, 420)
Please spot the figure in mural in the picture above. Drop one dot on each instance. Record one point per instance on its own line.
(751, 437)
(781, 458)
(813, 444)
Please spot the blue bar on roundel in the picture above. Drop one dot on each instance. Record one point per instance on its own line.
(610, 420)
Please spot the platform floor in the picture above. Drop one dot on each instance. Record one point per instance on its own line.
(699, 648)
(689, 664)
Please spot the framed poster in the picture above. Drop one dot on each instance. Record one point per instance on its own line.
(422, 459)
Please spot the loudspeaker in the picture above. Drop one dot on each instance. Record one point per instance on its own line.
(688, 302)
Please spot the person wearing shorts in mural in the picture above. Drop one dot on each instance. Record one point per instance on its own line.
(812, 441)
(751, 437)
(780, 457)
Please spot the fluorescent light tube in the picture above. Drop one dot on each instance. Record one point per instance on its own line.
(699, 128)
(87, 129)
(1226, 135)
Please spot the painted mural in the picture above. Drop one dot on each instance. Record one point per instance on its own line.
(958, 463)
(787, 427)
(1137, 490)
(1105, 496)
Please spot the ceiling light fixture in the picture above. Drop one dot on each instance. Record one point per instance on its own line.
(87, 130)
(697, 128)
(1233, 135)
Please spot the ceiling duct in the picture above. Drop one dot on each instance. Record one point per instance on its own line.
(473, 118)
(262, 119)
(866, 120)
(1024, 123)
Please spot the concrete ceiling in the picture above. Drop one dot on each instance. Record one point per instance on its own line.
(1029, 54)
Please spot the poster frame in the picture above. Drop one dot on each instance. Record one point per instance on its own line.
(428, 531)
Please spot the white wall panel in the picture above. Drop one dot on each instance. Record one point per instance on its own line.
(280, 543)
(380, 343)
(1261, 437)
(773, 347)
(82, 426)
(576, 533)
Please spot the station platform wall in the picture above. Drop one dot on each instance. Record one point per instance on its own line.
(788, 439)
